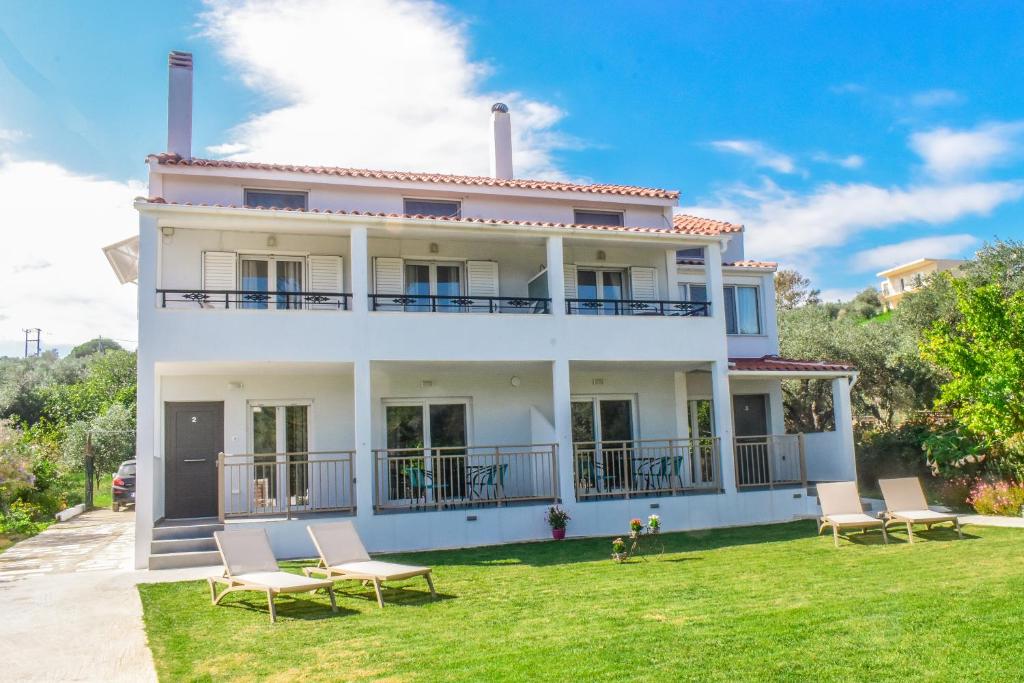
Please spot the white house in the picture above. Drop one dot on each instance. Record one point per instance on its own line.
(441, 357)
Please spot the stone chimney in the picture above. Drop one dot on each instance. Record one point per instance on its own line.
(179, 104)
(501, 142)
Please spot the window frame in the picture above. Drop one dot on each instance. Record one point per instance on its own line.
(734, 295)
(432, 277)
(599, 272)
(432, 200)
(686, 293)
(601, 212)
(270, 190)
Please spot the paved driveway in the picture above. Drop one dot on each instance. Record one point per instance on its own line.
(69, 610)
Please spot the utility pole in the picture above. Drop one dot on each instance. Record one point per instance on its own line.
(33, 335)
(90, 462)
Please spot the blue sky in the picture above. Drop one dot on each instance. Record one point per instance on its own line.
(845, 136)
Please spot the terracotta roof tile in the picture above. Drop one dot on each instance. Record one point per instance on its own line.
(774, 363)
(696, 224)
(627, 190)
(450, 219)
(729, 264)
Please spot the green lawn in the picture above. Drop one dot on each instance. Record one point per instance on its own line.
(771, 602)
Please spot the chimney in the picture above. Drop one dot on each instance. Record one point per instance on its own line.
(501, 142)
(179, 104)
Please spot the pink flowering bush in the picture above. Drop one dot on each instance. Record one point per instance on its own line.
(997, 498)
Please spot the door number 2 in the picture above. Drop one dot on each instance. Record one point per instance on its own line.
(195, 419)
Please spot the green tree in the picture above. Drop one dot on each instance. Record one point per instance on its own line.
(793, 290)
(93, 346)
(113, 440)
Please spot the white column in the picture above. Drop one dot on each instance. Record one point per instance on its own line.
(722, 402)
(561, 392)
(363, 432)
(148, 500)
(682, 406)
(359, 267)
(713, 274)
(843, 415)
(556, 275)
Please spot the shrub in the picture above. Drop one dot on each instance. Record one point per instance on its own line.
(20, 518)
(997, 498)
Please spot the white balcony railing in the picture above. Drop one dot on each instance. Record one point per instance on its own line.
(607, 469)
(285, 484)
(770, 460)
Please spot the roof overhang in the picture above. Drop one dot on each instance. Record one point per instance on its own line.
(123, 257)
(786, 368)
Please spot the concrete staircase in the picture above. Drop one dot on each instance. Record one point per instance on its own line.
(184, 543)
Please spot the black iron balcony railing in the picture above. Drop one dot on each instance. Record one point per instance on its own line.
(430, 303)
(252, 299)
(653, 307)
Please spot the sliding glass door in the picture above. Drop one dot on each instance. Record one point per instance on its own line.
(440, 280)
(601, 289)
(603, 431)
(280, 438)
(261, 275)
(427, 450)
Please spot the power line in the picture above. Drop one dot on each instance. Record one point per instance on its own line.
(30, 339)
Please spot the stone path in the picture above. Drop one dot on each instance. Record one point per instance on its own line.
(993, 520)
(69, 610)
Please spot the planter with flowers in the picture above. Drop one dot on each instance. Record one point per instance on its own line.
(635, 527)
(654, 524)
(557, 518)
(619, 550)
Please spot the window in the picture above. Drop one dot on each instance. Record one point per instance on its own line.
(427, 442)
(602, 434)
(276, 199)
(693, 291)
(432, 207)
(742, 310)
(697, 253)
(596, 286)
(587, 217)
(426, 279)
(272, 276)
(281, 434)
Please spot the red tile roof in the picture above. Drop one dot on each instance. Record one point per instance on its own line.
(774, 363)
(450, 219)
(627, 190)
(729, 264)
(694, 224)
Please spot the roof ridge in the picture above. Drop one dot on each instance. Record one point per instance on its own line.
(170, 159)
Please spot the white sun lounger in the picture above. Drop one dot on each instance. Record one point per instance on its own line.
(343, 557)
(905, 502)
(249, 565)
(841, 509)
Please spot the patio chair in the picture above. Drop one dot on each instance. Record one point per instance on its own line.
(249, 565)
(343, 557)
(905, 502)
(841, 509)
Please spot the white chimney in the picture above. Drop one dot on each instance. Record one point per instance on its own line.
(501, 142)
(179, 104)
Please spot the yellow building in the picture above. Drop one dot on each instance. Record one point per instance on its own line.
(907, 277)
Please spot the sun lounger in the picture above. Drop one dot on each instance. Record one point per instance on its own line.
(343, 557)
(249, 565)
(841, 509)
(905, 502)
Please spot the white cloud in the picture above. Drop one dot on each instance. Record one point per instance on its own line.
(949, 153)
(9, 135)
(937, 97)
(782, 224)
(760, 153)
(383, 84)
(55, 225)
(889, 255)
(850, 161)
(838, 294)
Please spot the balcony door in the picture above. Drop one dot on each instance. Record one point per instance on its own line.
(280, 441)
(261, 275)
(427, 450)
(750, 422)
(426, 279)
(599, 289)
(603, 432)
(701, 416)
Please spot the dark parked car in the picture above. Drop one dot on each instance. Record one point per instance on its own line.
(123, 486)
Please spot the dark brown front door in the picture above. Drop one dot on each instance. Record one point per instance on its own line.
(195, 435)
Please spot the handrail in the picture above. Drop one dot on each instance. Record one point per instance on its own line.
(255, 299)
(641, 307)
(671, 466)
(459, 303)
(260, 484)
(770, 460)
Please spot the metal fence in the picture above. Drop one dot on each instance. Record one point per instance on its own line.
(604, 469)
(259, 484)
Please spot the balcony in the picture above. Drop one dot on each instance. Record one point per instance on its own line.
(770, 460)
(429, 303)
(253, 300)
(638, 307)
(285, 484)
(417, 479)
(657, 467)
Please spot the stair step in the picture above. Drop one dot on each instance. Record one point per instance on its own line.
(202, 558)
(181, 531)
(182, 545)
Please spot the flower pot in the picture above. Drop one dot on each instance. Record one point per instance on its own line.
(619, 557)
(634, 534)
(558, 534)
(655, 529)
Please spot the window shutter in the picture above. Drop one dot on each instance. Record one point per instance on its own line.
(388, 275)
(326, 276)
(570, 280)
(482, 278)
(643, 283)
(220, 273)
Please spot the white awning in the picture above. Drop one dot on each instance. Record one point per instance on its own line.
(124, 259)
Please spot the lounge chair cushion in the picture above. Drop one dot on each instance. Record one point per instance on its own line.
(385, 571)
(245, 551)
(282, 581)
(338, 543)
(923, 516)
(852, 519)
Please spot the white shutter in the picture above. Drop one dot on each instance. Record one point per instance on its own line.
(388, 275)
(326, 276)
(482, 278)
(643, 283)
(569, 270)
(220, 273)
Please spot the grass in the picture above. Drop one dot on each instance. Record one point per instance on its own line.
(7, 540)
(757, 603)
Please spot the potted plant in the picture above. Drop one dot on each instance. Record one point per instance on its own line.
(635, 527)
(619, 550)
(654, 524)
(557, 518)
